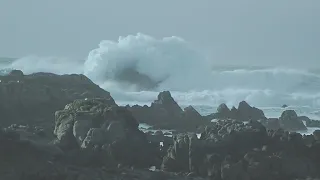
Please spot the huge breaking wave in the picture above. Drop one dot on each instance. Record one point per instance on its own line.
(136, 67)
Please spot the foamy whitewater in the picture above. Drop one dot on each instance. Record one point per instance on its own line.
(173, 64)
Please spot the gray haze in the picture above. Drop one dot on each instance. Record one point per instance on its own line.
(269, 32)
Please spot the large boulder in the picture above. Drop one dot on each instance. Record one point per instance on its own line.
(290, 121)
(91, 124)
(231, 149)
(33, 99)
(231, 134)
(188, 153)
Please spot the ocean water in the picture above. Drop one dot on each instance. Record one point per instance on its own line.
(137, 67)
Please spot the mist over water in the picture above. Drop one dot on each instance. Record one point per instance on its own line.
(136, 67)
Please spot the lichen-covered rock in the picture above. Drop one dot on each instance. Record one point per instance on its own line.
(93, 124)
(82, 118)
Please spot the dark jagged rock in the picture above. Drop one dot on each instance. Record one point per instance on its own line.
(233, 150)
(165, 113)
(33, 99)
(223, 109)
(221, 139)
(244, 113)
(165, 101)
(223, 112)
(27, 160)
(290, 121)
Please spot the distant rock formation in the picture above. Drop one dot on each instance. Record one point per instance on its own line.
(309, 122)
(244, 113)
(290, 121)
(165, 113)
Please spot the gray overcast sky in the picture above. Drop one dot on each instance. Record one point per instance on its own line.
(265, 32)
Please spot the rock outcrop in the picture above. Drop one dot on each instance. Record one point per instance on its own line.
(100, 124)
(97, 139)
(245, 112)
(33, 99)
(165, 113)
(232, 150)
(290, 121)
(23, 159)
(94, 138)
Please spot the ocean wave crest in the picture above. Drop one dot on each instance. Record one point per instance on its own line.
(136, 67)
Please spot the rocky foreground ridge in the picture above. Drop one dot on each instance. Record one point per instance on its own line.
(85, 135)
(33, 98)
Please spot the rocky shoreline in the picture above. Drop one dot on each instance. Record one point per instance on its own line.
(65, 127)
